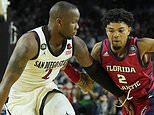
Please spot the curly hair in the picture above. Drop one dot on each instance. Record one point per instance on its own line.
(118, 15)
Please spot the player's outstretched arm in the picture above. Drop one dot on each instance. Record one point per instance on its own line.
(25, 49)
(122, 98)
(81, 79)
(93, 68)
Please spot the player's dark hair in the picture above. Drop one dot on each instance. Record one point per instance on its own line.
(118, 15)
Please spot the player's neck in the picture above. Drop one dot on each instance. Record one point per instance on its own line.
(119, 53)
(55, 39)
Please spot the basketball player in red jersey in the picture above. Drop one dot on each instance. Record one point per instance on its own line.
(37, 59)
(127, 60)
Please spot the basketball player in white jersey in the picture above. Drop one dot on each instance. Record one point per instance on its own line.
(38, 57)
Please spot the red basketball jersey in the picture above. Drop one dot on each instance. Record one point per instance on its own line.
(128, 72)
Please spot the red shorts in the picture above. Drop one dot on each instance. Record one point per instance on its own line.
(143, 106)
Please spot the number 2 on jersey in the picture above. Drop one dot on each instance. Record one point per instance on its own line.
(122, 79)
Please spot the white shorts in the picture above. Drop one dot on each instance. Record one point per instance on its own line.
(30, 103)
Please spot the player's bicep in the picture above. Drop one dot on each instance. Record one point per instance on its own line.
(146, 45)
(81, 53)
(95, 53)
(21, 54)
(150, 43)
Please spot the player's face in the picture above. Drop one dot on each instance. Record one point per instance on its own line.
(118, 34)
(69, 24)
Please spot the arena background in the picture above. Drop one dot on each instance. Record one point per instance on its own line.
(24, 15)
(19, 16)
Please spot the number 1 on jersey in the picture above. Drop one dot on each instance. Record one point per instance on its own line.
(47, 75)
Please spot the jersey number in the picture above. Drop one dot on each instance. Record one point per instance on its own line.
(122, 78)
(47, 75)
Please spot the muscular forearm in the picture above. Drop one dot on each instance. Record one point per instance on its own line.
(101, 76)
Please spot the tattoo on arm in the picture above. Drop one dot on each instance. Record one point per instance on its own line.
(20, 56)
(16, 66)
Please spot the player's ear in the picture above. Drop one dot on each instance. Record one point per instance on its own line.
(59, 21)
(129, 30)
(106, 29)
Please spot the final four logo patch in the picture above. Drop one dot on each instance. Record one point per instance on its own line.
(132, 49)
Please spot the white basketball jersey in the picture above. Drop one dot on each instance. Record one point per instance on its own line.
(43, 70)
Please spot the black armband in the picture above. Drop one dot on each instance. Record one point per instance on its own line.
(101, 76)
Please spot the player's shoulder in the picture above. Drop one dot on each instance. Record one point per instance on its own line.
(28, 38)
(97, 46)
(28, 41)
(145, 44)
(78, 42)
(78, 39)
(28, 35)
(26, 46)
(143, 40)
(80, 46)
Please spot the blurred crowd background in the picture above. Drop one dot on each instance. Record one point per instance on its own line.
(23, 15)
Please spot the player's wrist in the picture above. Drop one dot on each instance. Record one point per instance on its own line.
(85, 82)
(122, 98)
(72, 73)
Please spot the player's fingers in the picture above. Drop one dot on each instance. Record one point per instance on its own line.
(132, 110)
(129, 112)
